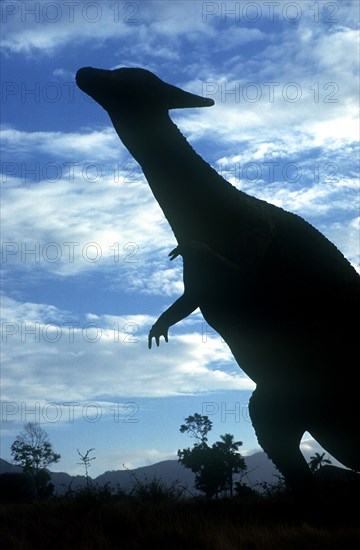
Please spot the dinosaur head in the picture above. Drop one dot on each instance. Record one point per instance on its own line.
(135, 90)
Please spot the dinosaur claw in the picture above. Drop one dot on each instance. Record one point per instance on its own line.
(174, 253)
(156, 333)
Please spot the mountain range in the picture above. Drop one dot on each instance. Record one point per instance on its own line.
(259, 469)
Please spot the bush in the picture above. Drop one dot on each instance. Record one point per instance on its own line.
(92, 493)
(156, 490)
(17, 487)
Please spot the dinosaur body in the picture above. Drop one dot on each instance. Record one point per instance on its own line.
(278, 292)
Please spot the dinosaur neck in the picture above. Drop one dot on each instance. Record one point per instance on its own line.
(187, 189)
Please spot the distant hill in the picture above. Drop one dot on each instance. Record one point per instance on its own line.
(7, 467)
(168, 471)
(259, 469)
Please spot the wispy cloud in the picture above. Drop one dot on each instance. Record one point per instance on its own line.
(48, 29)
(45, 29)
(48, 354)
(93, 210)
(74, 146)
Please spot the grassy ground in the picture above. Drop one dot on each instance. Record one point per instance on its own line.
(88, 524)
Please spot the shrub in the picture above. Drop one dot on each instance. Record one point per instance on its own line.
(17, 487)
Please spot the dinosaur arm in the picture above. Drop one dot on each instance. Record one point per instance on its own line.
(203, 257)
(175, 313)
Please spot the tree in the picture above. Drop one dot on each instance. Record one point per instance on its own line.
(317, 461)
(207, 464)
(197, 426)
(213, 466)
(233, 461)
(33, 451)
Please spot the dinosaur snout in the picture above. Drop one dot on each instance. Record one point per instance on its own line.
(89, 79)
(84, 77)
(97, 83)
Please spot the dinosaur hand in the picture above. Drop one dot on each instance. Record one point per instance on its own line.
(156, 332)
(174, 253)
(192, 247)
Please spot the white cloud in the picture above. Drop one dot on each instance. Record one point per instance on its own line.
(96, 214)
(346, 237)
(48, 355)
(102, 144)
(291, 94)
(115, 206)
(49, 28)
(63, 74)
(46, 28)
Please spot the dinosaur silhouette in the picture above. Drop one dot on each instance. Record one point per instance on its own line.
(279, 293)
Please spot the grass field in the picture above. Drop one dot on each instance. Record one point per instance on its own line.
(276, 522)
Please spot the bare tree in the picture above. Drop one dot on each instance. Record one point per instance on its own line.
(33, 451)
(86, 462)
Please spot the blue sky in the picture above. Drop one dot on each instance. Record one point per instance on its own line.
(84, 244)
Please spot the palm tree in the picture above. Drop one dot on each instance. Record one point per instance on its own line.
(317, 461)
(233, 460)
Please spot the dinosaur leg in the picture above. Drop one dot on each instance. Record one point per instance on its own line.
(279, 431)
